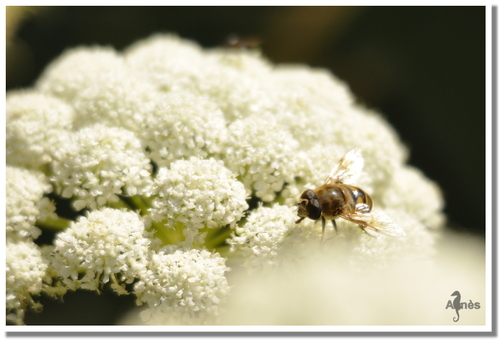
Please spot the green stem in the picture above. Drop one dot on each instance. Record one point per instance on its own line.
(139, 203)
(219, 239)
(60, 223)
(163, 233)
(119, 205)
(128, 204)
(145, 201)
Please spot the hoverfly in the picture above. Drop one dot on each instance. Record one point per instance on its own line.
(338, 198)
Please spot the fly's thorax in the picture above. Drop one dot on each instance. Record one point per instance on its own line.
(331, 199)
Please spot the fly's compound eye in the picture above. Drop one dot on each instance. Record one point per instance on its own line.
(313, 207)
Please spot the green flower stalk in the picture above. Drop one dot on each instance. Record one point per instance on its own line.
(182, 163)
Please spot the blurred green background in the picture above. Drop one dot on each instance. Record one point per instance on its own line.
(423, 68)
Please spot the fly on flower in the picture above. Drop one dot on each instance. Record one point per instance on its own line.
(337, 198)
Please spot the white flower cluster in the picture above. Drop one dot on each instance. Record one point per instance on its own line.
(106, 245)
(197, 193)
(162, 145)
(262, 154)
(25, 202)
(269, 238)
(424, 202)
(183, 125)
(100, 87)
(182, 286)
(100, 163)
(25, 270)
(36, 127)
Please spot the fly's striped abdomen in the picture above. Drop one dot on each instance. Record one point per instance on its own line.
(354, 196)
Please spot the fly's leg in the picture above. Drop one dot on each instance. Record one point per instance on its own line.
(335, 227)
(323, 223)
(336, 230)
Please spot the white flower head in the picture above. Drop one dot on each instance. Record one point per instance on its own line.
(101, 163)
(77, 69)
(100, 86)
(263, 155)
(237, 83)
(301, 89)
(270, 238)
(167, 61)
(115, 98)
(183, 286)
(25, 270)
(414, 194)
(381, 149)
(106, 245)
(232, 80)
(36, 126)
(197, 193)
(25, 202)
(183, 125)
(52, 283)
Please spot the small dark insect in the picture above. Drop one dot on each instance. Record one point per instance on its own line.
(337, 198)
(236, 42)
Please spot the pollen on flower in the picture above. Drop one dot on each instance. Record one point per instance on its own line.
(105, 245)
(182, 286)
(197, 193)
(25, 202)
(101, 163)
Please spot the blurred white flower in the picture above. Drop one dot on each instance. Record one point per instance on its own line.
(197, 193)
(25, 202)
(37, 125)
(107, 245)
(182, 286)
(410, 191)
(328, 289)
(100, 163)
(269, 238)
(25, 270)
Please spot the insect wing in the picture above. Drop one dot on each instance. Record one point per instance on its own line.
(374, 221)
(347, 169)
